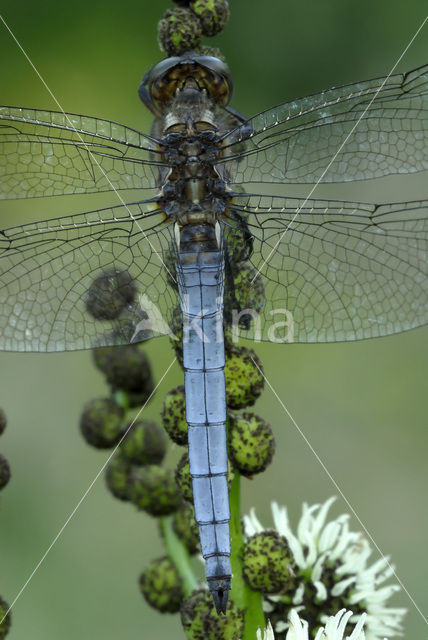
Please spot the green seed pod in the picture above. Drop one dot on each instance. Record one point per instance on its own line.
(160, 585)
(5, 619)
(169, 259)
(213, 15)
(267, 563)
(245, 300)
(244, 378)
(178, 31)
(184, 525)
(201, 622)
(248, 288)
(145, 443)
(238, 243)
(4, 471)
(109, 294)
(101, 423)
(132, 326)
(153, 489)
(137, 399)
(177, 346)
(118, 478)
(176, 326)
(251, 443)
(174, 415)
(183, 478)
(101, 356)
(128, 368)
(3, 421)
(214, 52)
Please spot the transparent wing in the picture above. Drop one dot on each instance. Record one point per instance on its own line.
(296, 141)
(336, 270)
(45, 153)
(48, 270)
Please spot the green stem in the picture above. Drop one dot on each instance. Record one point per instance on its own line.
(179, 555)
(241, 594)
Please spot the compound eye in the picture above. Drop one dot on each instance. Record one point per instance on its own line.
(203, 125)
(180, 127)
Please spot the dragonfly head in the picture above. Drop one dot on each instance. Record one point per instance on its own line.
(204, 73)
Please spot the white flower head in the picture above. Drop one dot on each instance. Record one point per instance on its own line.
(332, 574)
(334, 628)
(267, 633)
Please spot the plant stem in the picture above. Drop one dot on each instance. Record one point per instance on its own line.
(241, 594)
(179, 555)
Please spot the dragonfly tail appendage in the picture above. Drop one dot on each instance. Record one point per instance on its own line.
(220, 592)
(201, 282)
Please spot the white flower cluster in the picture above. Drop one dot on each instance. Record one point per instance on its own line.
(334, 628)
(320, 547)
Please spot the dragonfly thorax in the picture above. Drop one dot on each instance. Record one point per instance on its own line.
(193, 188)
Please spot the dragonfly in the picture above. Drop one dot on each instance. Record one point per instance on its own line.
(315, 270)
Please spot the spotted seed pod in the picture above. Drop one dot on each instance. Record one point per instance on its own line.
(132, 326)
(244, 377)
(169, 259)
(101, 356)
(239, 244)
(117, 477)
(184, 525)
(161, 586)
(3, 421)
(251, 443)
(5, 618)
(214, 52)
(4, 471)
(176, 339)
(248, 288)
(183, 478)
(178, 31)
(128, 368)
(145, 443)
(174, 415)
(267, 563)
(153, 489)
(213, 15)
(109, 294)
(101, 423)
(200, 619)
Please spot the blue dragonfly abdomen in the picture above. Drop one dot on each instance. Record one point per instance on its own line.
(200, 274)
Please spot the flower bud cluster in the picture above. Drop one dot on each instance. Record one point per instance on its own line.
(200, 620)
(135, 473)
(181, 28)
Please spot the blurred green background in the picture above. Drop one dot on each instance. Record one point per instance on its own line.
(361, 405)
